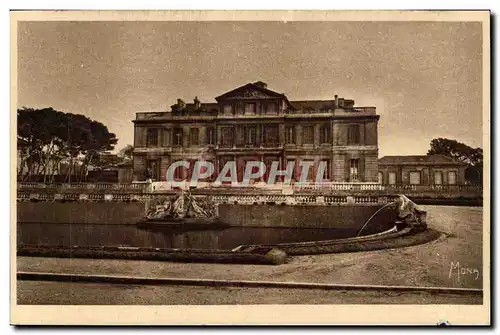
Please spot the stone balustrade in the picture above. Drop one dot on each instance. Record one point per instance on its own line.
(328, 187)
(83, 186)
(315, 200)
(340, 187)
(158, 186)
(328, 193)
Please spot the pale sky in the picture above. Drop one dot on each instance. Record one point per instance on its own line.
(423, 77)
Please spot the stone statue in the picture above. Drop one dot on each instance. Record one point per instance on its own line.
(178, 208)
(183, 206)
(409, 213)
(197, 103)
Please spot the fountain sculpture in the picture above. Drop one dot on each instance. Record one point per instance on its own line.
(183, 210)
(409, 214)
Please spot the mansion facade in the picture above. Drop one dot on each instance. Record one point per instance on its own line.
(253, 123)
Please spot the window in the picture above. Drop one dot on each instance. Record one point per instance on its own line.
(308, 135)
(415, 178)
(353, 134)
(205, 169)
(250, 109)
(452, 178)
(271, 134)
(210, 135)
(268, 161)
(295, 172)
(178, 136)
(290, 135)
(193, 136)
(326, 175)
(167, 137)
(223, 160)
(178, 173)
(251, 136)
(152, 137)
(310, 172)
(271, 108)
(227, 136)
(228, 110)
(438, 178)
(380, 176)
(153, 169)
(325, 134)
(353, 169)
(392, 178)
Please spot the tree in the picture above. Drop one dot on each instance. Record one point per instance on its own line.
(126, 152)
(95, 139)
(47, 137)
(40, 145)
(473, 157)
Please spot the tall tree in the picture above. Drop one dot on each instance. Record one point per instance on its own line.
(39, 141)
(473, 157)
(96, 140)
(126, 152)
(47, 137)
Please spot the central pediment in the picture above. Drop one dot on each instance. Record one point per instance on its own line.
(250, 91)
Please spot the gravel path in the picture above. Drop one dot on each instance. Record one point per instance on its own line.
(48, 293)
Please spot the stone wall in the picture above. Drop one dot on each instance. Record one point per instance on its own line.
(339, 134)
(80, 212)
(371, 167)
(260, 215)
(371, 134)
(140, 132)
(338, 168)
(342, 217)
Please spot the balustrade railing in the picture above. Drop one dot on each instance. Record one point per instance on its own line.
(335, 199)
(340, 186)
(437, 188)
(294, 187)
(83, 186)
(240, 146)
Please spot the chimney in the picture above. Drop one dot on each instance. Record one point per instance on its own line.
(336, 103)
(180, 104)
(261, 84)
(197, 103)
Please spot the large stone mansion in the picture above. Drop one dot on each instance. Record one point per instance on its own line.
(253, 122)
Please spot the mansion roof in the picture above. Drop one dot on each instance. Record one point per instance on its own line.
(419, 160)
(258, 91)
(319, 105)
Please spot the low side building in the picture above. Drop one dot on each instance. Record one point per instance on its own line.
(421, 170)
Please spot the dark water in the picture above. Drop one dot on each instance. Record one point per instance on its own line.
(57, 234)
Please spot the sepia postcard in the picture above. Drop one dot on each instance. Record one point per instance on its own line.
(250, 168)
